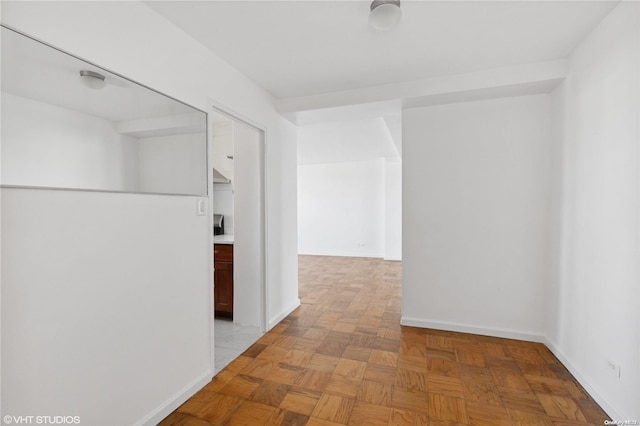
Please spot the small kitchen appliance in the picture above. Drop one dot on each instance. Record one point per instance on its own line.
(218, 224)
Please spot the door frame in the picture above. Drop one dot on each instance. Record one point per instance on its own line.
(221, 109)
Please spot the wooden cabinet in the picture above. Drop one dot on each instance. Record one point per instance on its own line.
(223, 280)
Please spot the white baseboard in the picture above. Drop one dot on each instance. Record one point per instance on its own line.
(353, 254)
(167, 407)
(282, 315)
(343, 254)
(465, 328)
(604, 403)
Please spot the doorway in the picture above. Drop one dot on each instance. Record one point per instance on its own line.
(350, 170)
(237, 176)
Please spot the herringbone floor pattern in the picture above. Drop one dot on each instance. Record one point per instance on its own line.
(342, 358)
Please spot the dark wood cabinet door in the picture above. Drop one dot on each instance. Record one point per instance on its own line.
(223, 253)
(223, 289)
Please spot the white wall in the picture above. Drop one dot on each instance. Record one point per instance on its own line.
(393, 210)
(282, 217)
(475, 216)
(346, 139)
(223, 203)
(349, 188)
(223, 146)
(579, 292)
(46, 145)
(173, 164)
(248, 237)
(596, 289)
(223, 197)
(50, 146)
(164, 356)
(95, 323)
(341, 210)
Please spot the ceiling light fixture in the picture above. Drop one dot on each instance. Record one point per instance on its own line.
(385, 14)
(92, 80)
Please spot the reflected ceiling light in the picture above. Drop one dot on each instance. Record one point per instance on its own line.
(92, 80)
(385, 14)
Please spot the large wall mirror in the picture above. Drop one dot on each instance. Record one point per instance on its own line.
(71, 125)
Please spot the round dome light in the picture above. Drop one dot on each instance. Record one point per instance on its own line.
(385, 14)
(93, 80)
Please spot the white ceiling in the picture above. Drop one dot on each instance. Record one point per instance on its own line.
(36, 71)
(335, 142)
(301, 48)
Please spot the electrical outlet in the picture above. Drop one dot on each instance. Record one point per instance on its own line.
(362, 244)
(614, 367)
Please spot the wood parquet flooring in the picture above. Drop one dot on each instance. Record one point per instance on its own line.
(342, 358)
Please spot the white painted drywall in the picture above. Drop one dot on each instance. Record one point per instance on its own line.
(173, 164)
(223, 203)
(47, 145)
(475, 215)
(393, 210)
(282, 217)
(596, 290)
(104, 303)
(356, 182)
(347, 140)
(222, 147)
(248, 248)
(150, 249)
(341, 210)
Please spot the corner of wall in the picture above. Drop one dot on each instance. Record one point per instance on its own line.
(282, 315)
(583, 379)
(168, 406)
(473, 329)
(580, 331)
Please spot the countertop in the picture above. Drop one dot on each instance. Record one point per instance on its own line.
(223, 239)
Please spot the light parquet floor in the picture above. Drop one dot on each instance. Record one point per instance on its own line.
(342, 358)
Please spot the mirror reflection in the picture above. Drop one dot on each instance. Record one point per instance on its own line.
(68, 124)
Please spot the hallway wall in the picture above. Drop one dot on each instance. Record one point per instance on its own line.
(341, 209)
(522, 215)
(476, 216)
(594, 303)
(101, 292)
